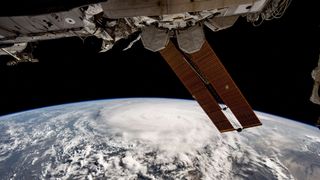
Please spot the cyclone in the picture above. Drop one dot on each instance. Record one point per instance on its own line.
(151, 138)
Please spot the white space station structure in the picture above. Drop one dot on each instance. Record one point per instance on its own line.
(315, 98)
(157, 20)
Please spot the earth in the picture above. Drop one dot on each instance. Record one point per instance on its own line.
(151, 138)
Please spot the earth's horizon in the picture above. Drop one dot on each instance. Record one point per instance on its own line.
(151, 138)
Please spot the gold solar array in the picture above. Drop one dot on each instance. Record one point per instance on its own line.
(201, 70)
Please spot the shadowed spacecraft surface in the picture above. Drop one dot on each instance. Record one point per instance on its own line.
(174, 28)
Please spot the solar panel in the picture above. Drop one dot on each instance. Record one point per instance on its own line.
(196, 86)
(211, 67)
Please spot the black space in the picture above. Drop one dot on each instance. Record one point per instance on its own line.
(271, 64)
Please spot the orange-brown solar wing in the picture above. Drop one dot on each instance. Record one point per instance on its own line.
(208, 62)
(195, 86)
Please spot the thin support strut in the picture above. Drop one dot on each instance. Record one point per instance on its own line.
(12, 55)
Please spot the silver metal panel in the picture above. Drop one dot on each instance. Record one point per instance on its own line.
(251, 7)
(258, 5)
(6, 33)
(132, 8)
(27, 24)
(10, 26)
(154, 39)
(191, 40)
(45, 36)
(66, 20)
(24, 25)
(14, 49)
(220, 23)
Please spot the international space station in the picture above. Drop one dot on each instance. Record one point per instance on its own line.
(174, 28)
